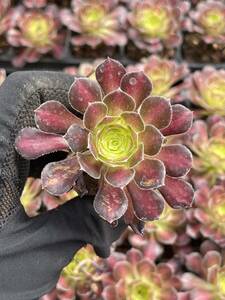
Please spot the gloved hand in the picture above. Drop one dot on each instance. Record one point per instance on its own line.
(33, 251)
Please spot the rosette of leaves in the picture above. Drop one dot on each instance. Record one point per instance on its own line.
(164, 75)
(139, 278)
(206, 88)
(156, 24)
(208, 278)
(208, 19)
(96, 22)
(209, 211)
(164, 231)
(208, 145)
(120, 142)
(2, 76)
(36, 33)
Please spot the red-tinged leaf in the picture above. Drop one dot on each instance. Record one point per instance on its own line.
(145, 268)
(181, 120)
(82, 92)
(109, 74)
(130, 218)
(77, 138)
(156, 111)
(118, 102)
(110, 202)
(148, 204)
(59, 177)
(152, 140)
(54, 117)
(122, 269)
(177, 159)
(119, 177)
(32, 143)
(134, 256)
(94, 114)
(109, 293)
(177, 192)
(211, 258)
(134, 120)
(150, 174)
(165, 271)
(166, 236)
(89, 164)
(137, 85)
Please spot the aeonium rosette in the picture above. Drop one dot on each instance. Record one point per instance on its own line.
(120, 142)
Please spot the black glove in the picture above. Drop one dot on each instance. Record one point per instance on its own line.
(33, 251)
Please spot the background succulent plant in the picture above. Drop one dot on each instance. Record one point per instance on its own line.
(138, 278)
(36, 33)
(165, 75)
(207, 143)
(120, 142)
(210, 283)
(156, 24)
(208, 19)
(96, 22)
(206, 88)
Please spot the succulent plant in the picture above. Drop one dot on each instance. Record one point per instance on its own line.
(164, 75)
(120, 143)
(138, 278)
(156, 24)
(36, 32)
(210, 284)
(206, 88)
(208, 19)
(209, 211)
(81, 277)
(208, 145)
(96, 22)
(2, 76)
(164, 231)
(33, 197)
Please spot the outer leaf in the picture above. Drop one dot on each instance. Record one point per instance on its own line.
(89, 164)
(148, 204)
(59, 177)
(32, 143)
(52, 116)
(119, 177)
(94, 114)
(109, 74)
(77, 138)
(152, 140)
(82, 92)
(150, 173)
(136, 84)
(177, 159)
(177, 192)
(110, 202)
(156, 111)
(181, 120)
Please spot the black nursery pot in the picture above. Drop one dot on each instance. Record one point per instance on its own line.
(93, 53)
(195, 50)
(135, 54)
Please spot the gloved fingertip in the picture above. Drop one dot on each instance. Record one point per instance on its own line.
(102, 252)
